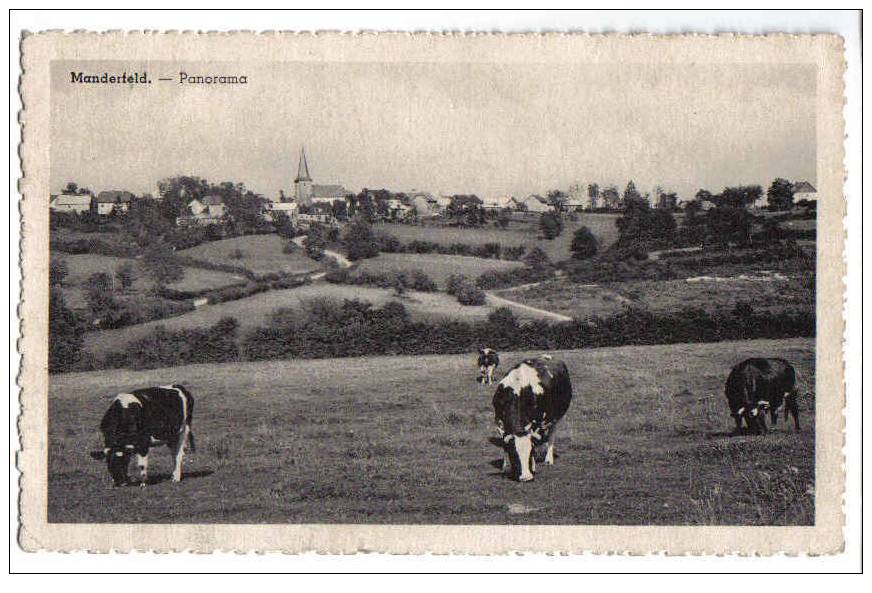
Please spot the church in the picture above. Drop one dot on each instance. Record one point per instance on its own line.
(307, 193)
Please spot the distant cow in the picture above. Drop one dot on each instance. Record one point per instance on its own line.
(758, 385)
(488, 361)
(529, 401)
(137, 420)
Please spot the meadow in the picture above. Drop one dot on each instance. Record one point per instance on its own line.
(764, 292)
(81, 266)
(436, 266)
(409, 440)
(518, 233)
(254, 311)
(261, 254)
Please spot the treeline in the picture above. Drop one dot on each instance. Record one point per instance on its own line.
(328, 329)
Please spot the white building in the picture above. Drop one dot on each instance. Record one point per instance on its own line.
(803, 190)
(536, 203)
(70, 203)
(116, 201)
(289, 208)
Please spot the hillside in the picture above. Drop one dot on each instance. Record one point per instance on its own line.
(408, 440)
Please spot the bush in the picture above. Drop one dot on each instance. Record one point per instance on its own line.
(584, 244)
(514, 253)
(453, 282)
(550, 225)
(65, 334)
(290, 247)
(422, 282)
(470, 295)
(388, 243)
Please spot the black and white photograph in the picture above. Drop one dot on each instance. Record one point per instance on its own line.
(484, 282)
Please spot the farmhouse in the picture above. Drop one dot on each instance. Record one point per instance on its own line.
(308, 219)
(536, 203)
(307, 193)
(397, 209)
(424, 203)
(803, 190)
(500, 203)
(289, 208)
(205, 211)
(113, 201)
(70, 203)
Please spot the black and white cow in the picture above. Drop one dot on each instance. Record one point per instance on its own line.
(758, 385)
(529, 401)
(488, 361)
(138, 420)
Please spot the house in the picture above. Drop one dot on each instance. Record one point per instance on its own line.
(579, 199)
(307, 220)
(500, 203)
(79, 203)
(536, 203)
(443, 202)
(205, 211)
(397, 209)
(112, 202)
(291, 209)
(424, 203)
(803, 190)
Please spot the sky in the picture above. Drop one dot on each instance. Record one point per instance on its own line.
(488, 129)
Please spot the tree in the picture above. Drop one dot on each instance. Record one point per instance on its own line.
(631, 194)
(160, 263)
(740, 196)
(537, 259)
(780, 195)
(727, 225)
(503, 218)
(126, 275)
(584, 244)
(359, 240)
(611, 198)
(65, 334)
(283, 225)
(550, 225)
(557, 199)
(57, 272)
(315, 242)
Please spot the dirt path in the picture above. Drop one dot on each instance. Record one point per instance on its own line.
(499, 301)
(340, 259)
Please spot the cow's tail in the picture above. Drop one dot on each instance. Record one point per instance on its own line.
(191, 443)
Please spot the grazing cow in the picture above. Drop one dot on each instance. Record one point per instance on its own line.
(529, 401)
(488, 361)
(137, 420)
(760, 384)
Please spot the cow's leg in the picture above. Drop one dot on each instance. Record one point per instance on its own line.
(179, 452)
(549, 451)
(761, 422)
(490, 374)
(142, 465)
(738, 419)
(792, 407)
(507, 463)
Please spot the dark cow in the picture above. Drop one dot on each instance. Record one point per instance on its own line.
(760, 384)
(488, 361)
(529, 401)
(137, 420)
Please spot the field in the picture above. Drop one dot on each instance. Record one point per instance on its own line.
(438, 267)
(261, 254)
(81, 266)
(518, 233)
(409, 440)
(255, 310)
(712, 294)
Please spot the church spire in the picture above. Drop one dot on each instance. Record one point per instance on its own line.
(303, 168)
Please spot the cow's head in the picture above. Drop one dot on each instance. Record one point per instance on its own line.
(120, 428)
(517, 424)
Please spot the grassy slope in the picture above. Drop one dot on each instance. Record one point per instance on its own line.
(81, 266)
(438, 267)
(261, 254)
(254, 311)
(578, 300)
(406, 440)
(602, 225)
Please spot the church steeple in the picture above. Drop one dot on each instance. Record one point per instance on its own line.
(303, 183)
(302, 168)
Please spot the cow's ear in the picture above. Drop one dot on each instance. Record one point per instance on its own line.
(98, 455)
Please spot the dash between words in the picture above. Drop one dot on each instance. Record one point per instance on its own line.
(143, 78)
